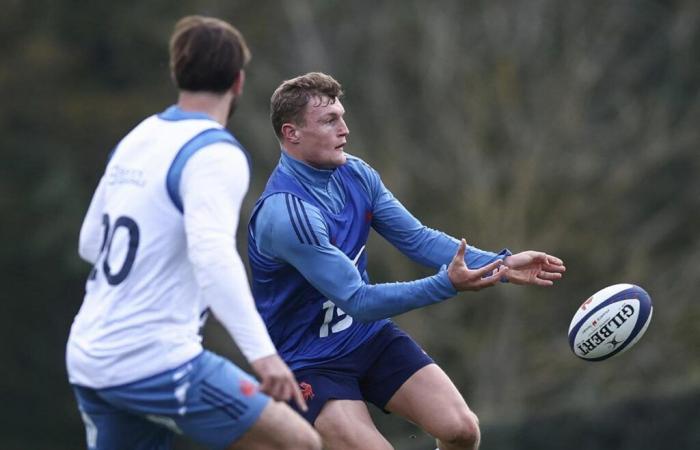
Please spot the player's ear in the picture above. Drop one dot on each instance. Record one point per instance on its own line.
(290, 133)
(237, 86)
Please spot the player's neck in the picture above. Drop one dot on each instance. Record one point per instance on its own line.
(215, 105)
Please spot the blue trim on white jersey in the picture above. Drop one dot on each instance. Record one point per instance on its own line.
(172, 114)
(203, 139)
(175, 113)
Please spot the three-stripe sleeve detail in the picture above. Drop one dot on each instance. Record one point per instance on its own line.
(308, 222)
(291, 217)
(300, 220)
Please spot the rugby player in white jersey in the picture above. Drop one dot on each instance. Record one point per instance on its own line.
(160, 231)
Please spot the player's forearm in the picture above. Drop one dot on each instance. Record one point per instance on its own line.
(434, 248)
(380, 301)
(224, 286)
(225, 290)
(422, 244)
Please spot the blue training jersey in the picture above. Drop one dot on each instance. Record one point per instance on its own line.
(307, 237)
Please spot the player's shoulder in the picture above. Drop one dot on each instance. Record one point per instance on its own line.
(360, 166)
(356, 162)
(225, 150)
(279, 206)
(221, 159)
(286, 217)
(367, 176)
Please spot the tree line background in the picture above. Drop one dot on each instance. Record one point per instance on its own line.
(565, 126)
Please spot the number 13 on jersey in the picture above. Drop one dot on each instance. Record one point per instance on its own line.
(331, 309)
(333, 312)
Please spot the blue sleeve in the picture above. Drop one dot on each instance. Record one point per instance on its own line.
(293, 231)
(423, 245)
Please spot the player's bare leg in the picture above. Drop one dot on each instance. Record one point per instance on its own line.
(430, 400)
(279, 428)
(347, 425)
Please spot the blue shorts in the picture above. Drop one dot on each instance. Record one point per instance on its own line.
(207, 399)
(372, 372)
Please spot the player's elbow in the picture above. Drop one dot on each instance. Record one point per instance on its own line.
(360, 307)
(215, 249)
(360, 313)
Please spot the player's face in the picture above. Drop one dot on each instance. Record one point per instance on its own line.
(324, 134)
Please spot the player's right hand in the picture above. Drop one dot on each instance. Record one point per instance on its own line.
(277, 381)
(465, 279)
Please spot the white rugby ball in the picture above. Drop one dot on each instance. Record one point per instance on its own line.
(610, 322)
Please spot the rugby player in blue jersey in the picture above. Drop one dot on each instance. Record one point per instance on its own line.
(307, 238)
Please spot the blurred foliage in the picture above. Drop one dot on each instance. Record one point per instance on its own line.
(565, 126)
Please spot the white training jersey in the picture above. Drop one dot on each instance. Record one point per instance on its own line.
(160, 231)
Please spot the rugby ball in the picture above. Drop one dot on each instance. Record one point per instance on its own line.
(610, 322)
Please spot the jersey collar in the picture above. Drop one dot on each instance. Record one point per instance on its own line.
(175, 113)
(304, 172)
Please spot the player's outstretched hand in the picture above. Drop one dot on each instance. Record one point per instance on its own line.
(277, 381)
(465, 279)
(531, 267)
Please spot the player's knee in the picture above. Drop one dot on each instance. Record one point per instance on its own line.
(462, 431)
(314, 441)
(305, 437)
(310, 440)
(336, 432)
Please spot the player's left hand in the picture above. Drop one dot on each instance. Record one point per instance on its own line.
(532, 267)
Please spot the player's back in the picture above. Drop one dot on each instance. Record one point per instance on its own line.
(141, 307)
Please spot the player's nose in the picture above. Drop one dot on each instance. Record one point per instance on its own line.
(343, 129)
